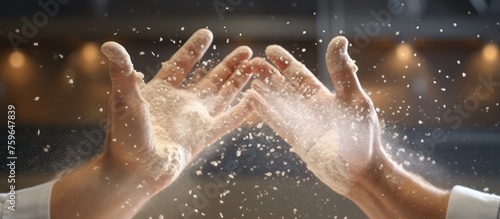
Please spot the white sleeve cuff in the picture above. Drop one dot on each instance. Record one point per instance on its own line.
(32, 202)
(468, 204)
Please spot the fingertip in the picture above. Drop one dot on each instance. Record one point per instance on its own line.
(175, 69)
(109, 44)
(260, 65)
(119, 58)
(273, 50)
(238, 56)
(276, 54)
(199, 43)
(257, 61)
(280, 57)
(342, 69)
(205, 34)
(339, 43)
(337, 55)
(245, 50)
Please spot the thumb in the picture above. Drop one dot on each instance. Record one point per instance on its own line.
(120, 65)
(127, 112)
(342, 70)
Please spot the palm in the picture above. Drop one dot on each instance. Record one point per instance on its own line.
(334, 133)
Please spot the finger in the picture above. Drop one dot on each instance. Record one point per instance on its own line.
(342, 70)
(277, 82)
(218, 76)
(264, 89)
(294, 71)
(120, 64)
(232, 87)
(260, 105)
(120, 68)
(198, 74)
(229, 120)
(126, 105)
(178, 66)
(267, 73)
(193, 78)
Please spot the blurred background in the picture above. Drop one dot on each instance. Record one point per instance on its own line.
(432, 69)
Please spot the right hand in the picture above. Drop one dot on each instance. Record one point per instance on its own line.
(155, 129)
(335, 134)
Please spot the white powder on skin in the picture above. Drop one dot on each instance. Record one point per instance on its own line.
(339, 61)
(180, 124)
(324, 161)
(319, 134)
(117, 54)
(179, 115)
(337, 52)
(333, 139)
(179, 119)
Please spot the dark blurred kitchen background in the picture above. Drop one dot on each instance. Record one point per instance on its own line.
(432, 69)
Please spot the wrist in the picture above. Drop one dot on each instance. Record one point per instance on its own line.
(389, 191)
(104, 186)
(368, 193)
(132, 175)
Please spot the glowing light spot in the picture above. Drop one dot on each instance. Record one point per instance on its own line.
(490, 52)
(90, 52)
(17, 59)
(403, 52)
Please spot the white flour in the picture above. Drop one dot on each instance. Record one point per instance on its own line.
(117, 54)
(180, 124)
(324, 161)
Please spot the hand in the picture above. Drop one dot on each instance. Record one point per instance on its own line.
(155, 129)
(335, 134)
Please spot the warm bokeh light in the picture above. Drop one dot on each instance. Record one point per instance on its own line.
(490, 52)
(18, 69)
(403, 52)
(89, 58)
(17, 59)
(90, 52)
